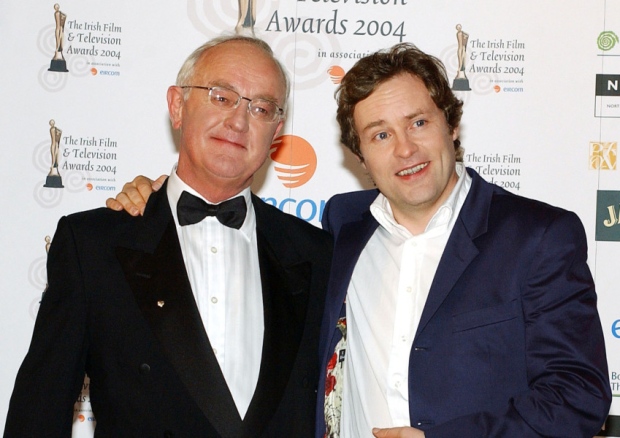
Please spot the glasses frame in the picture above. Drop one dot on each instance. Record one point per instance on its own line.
(278, 115)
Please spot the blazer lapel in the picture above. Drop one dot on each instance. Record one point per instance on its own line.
(155, 271)
(460, 249)
(352, 239)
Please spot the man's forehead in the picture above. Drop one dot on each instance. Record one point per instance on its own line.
(227, 65)
(232, 51)
(233, 54)
(410, 87)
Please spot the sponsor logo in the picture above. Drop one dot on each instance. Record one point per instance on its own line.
(336, 73)
(603, 155)
(295, 160)
(95, 72)
(306, 209)
(615, 330)
(608, 216)
(606, 40)
(499, 89)
(607, 98)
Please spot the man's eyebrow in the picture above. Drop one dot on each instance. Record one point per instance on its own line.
(413, 115)
(373, 124)
(380, 122)
(228, 85)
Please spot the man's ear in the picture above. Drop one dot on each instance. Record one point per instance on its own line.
(175, 105)
(278, 129)
(455, 132)
(361, 160)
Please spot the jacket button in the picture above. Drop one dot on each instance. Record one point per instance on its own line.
(145, 368)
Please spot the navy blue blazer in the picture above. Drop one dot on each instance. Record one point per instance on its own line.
(510, 342)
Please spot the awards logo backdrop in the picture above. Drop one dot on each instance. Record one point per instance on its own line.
(541, 117)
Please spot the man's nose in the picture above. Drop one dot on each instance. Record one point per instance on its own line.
(239, 118)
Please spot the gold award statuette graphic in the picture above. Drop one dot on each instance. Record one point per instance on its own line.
(58, 61)
(53, 178)
(461, 83)
(247, 18)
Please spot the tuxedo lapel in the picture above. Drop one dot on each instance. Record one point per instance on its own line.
(154, 268)
(460, 249)
(285, 281)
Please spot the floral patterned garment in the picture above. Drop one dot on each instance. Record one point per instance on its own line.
(334, 382)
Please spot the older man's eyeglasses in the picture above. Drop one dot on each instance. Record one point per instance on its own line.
(228, 100)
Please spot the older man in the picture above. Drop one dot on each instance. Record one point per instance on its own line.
(201, 317)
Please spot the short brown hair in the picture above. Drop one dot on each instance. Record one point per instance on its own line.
(375, 69)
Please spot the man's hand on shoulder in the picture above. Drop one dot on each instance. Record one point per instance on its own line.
(135, 194)
(398, 432)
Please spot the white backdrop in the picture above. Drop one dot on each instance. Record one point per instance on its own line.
(535, 120)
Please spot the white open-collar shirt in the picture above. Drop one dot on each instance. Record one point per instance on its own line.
(385, 299)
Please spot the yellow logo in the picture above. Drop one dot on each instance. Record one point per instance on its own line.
(603, 155)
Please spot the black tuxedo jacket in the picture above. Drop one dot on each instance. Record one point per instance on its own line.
(119, 307)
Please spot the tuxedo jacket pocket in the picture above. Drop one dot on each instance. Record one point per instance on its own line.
(485, 317)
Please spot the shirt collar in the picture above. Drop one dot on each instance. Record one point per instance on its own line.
(176, 186)
(444, 217)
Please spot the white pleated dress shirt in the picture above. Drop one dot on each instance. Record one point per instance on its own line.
(385, 299)
(223, 270)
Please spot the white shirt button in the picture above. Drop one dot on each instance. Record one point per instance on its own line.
(213, 249)
(214, 300)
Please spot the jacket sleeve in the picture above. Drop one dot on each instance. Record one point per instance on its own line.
(569, 393)
(51, 375)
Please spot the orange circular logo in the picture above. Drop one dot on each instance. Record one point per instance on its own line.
(82, 418)
(295, 160)
(89, 186)
(336, 73)
(497, 88)
(93, 71)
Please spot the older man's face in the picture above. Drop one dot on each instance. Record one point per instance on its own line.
(225, 148)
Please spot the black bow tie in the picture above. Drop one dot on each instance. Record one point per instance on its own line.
(191, 210)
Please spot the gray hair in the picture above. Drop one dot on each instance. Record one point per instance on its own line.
(187, 69)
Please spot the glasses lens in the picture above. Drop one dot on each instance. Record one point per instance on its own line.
(260, 109)
(223, 98)
(263, 110)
